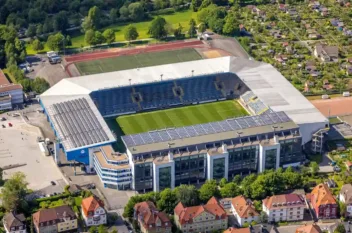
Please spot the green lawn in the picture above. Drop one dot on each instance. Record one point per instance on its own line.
(142, 27)
(135, 61)
(178, 117)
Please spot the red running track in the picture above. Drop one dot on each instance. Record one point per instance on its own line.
(150, 48)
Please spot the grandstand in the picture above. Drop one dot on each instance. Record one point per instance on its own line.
(283, 120)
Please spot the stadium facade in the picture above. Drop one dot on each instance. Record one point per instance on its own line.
(281, 122)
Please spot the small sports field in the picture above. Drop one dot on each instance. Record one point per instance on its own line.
(137, 61)
(182, 116)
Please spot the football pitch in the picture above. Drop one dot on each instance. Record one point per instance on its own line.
(182, 116)
(137, 61)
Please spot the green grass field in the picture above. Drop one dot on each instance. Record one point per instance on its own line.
(178, 117)
(174, 19)
(135, 61)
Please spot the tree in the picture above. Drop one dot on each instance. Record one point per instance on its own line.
(109, 36)
(192, 28)
(314, 168)
(340, 229)
(31, 31)
(1, 176)
(39, 85)
(55, 42)
(89, 37)
(263, 217)
(61, 21)
(187, 194)
(195, 4)
(131, 33)
(178, 31)
(113, 15)
(157, 28)
(208, 190)
(37, 45)
(246, 184)
(94, 15)
(229, 190)
(14, 192)
(237, 179)
(222, 182)
(39, 30)
(124, 12)
(93, 229)
(87, 24)
(231, 24)
(202, 28)
(136, 11)
(68, 41)
(167, 201)
(102, 229)
(342, 209)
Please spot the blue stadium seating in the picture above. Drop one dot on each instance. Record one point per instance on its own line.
(120, 100)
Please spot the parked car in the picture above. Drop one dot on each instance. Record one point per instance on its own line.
(10, 124)
(52, 183)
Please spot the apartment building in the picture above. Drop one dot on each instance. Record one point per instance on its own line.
(14, 223)
(238, 230)
(150, 219)
(93, 211)
(9, 93)
(286, 207)
(203, 218)
(112, 168)
(345, 196)
(243, 210)
(323, 202)
(55, 220)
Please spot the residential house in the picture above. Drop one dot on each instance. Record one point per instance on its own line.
(281, 58)
(310, 66)
(348, 165)
(285, 207)
(55, 220)
(291, 12)
(323, 202)
(313, 34)
(238, 230)
(314, 5)
(345, 196)
(326, 53)
(283, 7)
(14, 223)
(312, 228)
(202, 218)
(150, 220)
(289, 49)
(327, 85)
(261, 13)
(243, 210)
(349, 70)
(334, 22)
(347, 32)
(324, 11)
(93, 211)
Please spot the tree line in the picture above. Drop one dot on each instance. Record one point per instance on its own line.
(254, 186)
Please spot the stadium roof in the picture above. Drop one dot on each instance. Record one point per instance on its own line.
(263, 79)
(273, 89)
(208, 133)
(79, 124)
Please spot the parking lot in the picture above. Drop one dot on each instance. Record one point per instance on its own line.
(19, 147)
(53, 73)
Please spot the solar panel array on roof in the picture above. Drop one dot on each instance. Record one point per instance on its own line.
(268, 118)
(77, 124)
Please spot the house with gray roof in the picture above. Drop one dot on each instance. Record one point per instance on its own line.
(14, 223)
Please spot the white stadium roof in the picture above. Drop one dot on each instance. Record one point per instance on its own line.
(263, 79)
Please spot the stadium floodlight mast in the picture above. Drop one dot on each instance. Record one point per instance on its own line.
(192, 72)
(161, 77)
(130, 81)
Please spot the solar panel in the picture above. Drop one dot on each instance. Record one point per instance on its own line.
(268, 118)
(137, 139)
(191, 131)
(182, 132)
(155, 136)
(164, 135)
(199, 129)
(216, 126)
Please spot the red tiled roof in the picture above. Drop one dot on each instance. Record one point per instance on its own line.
(10, 87)
(283, 201)
(243, 207)
(3, 79)
(348, 163)
(53, 215)
(90, 204)
(321, 195)
(238, 230)
(313, 228)
(148, 215)
(186, 214)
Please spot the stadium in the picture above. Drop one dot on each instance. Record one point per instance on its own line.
(270, 124)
